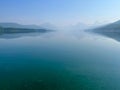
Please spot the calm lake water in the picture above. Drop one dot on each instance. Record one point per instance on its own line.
(61, 60)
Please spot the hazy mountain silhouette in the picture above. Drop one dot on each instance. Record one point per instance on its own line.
(111, 30)
(41, 26)
(112, 27)
(14, 28)
(16, 25)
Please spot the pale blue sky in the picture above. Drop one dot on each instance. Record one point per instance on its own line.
(59, 12)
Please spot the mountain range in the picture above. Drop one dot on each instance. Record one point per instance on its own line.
(111, 30)
(16, 25)
(112, 27)
(7, 28)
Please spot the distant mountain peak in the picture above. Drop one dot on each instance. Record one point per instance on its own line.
(16, 25)
(32, 26)
(117, 22)
(112, 27)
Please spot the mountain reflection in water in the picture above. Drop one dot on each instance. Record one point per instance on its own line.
(61, 60)
(21, 34)
(113, 35)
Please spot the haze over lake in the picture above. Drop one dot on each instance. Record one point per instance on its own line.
(60, 60)
(59, 44)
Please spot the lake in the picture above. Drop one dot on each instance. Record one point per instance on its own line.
(59, 60)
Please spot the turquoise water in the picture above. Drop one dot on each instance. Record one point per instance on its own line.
(61, 60)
